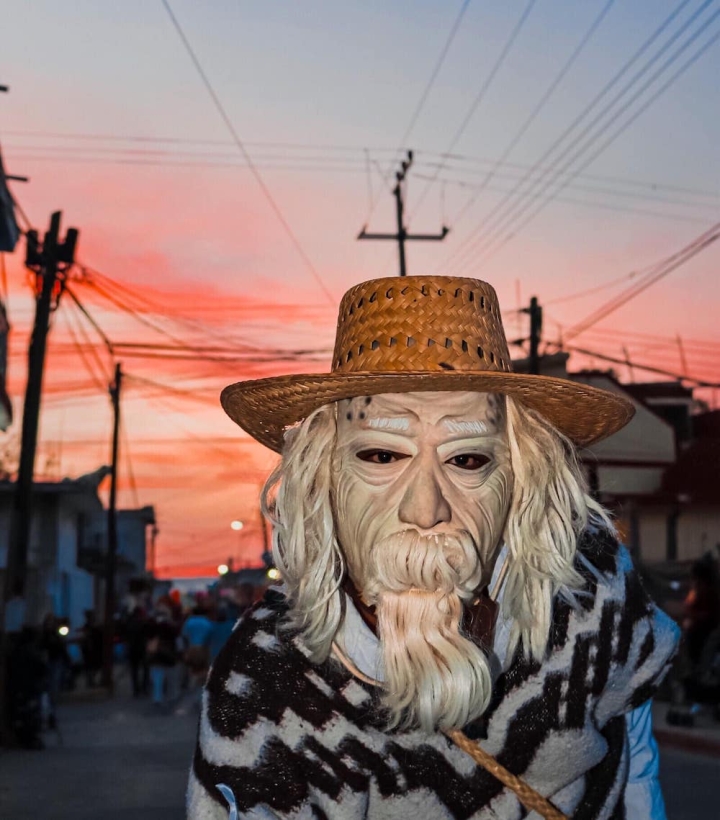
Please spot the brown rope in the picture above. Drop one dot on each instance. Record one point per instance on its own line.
(532, 800)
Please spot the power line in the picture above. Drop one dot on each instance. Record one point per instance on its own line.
(608, 206)
(487, 221)
(481, 94)
(102, 386)
(663, 268)
(423, 98)
(236, 138)
(538, 107)
(128, 460)
(553, 194)
(106, 341)
(514, 170)
(639, 366)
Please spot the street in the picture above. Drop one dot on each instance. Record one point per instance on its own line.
(118, 760)
(690, 785)
(122, 759)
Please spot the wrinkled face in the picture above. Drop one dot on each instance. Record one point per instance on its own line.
(434, 467)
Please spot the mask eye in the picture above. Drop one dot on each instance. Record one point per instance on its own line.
(469, 461)
(380, 456)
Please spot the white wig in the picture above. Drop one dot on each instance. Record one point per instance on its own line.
(550, 508)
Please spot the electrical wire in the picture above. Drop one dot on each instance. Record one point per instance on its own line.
(494, 235)
(243, 150)
(480, 95)
(500, 209)
(102, 386)
(128, 462)
(542, 102)
(663, 268)
(607, 206)
(553, 194)
(106, 341)
(421, 103)
(643, 366)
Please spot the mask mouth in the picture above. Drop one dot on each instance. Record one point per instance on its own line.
(417, 564)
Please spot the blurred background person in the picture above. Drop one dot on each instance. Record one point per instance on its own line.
(196, 634)
(54, 648)
(162, 654)
(91, 646)
(225, 619)
(701, 608)
(136, 638)
(27, 683)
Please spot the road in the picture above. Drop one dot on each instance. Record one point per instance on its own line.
(121, 759)
(118, 760)
(690, 785)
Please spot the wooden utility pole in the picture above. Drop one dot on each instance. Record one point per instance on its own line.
(109, 621)
(50, 264)
(535, 312)
(402, 235)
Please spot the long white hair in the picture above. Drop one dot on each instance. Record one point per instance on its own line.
(550, 507)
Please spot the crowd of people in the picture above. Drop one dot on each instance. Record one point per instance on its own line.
(165, 646)
(169, 650)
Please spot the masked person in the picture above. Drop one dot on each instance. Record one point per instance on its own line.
(459, 633)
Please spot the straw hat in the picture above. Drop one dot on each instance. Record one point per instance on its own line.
(421, 333)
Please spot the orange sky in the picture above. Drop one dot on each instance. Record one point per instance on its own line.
(114, 127)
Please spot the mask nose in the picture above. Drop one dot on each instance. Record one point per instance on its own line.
(423, 505)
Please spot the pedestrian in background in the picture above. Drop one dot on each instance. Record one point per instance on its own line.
(162, 655)
(91, 645)
(136, 638)
(701, 608)
(54, 649)
(225, 619)
(196, 633)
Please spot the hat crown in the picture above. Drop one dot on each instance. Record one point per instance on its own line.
(420, 323)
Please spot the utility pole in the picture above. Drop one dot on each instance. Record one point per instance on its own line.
(50, 264)
(402, 235)
(535, 312)
(109, 622)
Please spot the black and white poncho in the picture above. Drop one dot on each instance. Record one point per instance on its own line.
(296, 740)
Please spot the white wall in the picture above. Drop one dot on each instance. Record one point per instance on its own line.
(647, 437)
(629, 480)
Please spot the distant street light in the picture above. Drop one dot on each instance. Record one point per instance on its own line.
(273, 573)
(223, 569)
(236, 525)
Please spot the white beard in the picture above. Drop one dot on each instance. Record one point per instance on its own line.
(434, 676)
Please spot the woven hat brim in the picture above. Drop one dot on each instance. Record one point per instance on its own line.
(266, 407)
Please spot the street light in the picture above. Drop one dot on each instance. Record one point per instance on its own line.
(223, 569)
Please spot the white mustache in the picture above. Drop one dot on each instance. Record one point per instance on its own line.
(409, 561)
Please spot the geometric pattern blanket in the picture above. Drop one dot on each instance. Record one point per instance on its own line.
(294, 739)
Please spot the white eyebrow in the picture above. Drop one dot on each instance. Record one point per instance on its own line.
(472, 427)
(390, 424)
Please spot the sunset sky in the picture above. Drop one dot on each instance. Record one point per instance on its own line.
(568, 146)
